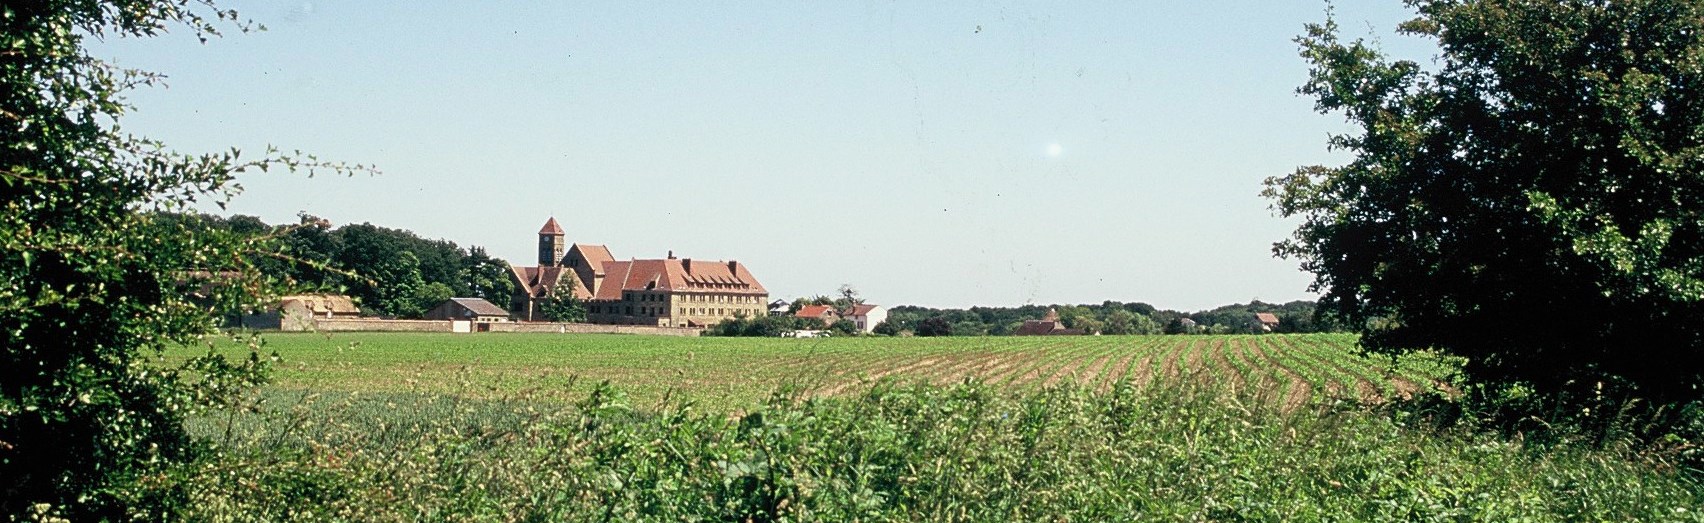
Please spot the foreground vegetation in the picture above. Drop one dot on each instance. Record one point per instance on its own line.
(404, 427)
(967, 452)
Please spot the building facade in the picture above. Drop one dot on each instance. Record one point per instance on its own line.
(468, 309)
(666, 292)
(867, 316)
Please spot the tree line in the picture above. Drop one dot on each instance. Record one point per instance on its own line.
(389, 272)
(1109, 317)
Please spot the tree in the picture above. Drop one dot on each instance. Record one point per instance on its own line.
(1123, 321)
(487, 277)
(91, 289)
(563, 306)
(844, 327)
(1120, 321)
(396, 287)
(934, 326)
(1530, 202)
(848, 299)
(885, 329)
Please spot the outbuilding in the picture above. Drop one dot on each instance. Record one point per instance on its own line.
(468, 309)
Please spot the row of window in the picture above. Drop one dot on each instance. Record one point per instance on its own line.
(659, 311)
(721, 298)
(693, 298)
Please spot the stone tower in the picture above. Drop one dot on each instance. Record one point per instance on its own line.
(552, 244)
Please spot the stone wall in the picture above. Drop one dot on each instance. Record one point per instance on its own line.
(592, 328)
(378, 325)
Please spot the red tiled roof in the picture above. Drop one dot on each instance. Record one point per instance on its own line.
(676, 274)
(596, 255)
(1266, 317)
(537, 281)
(814, 311)
(862, 309)
(1036, 327)
(551, 227)
(614, 280)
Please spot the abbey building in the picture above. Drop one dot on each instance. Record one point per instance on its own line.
(668, 292)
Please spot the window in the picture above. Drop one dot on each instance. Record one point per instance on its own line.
(630, 311)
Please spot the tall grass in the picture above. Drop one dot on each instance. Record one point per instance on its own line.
(897, 452)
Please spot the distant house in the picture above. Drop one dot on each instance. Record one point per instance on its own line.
(1048, 325)
(468, 309)
(297, 313)
(778, 308)
(825, 313)
(1266, 321)
(867, 316)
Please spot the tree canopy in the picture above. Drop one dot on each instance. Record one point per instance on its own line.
(1529, 199)
(392, 272)
(92, 283)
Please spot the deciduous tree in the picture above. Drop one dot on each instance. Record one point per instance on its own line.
(1529, 200)
(90, 288)
(563, 306)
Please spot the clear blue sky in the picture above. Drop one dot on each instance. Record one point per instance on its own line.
(975, 153)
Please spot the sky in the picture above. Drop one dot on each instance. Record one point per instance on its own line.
(942, 154)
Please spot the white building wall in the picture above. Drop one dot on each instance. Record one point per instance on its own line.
(868, 322)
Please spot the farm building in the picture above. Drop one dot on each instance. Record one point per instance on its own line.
(469, 309)
(297, 313)
(1048, 325)
(668, 292)
(826, 313)
(1265, 321)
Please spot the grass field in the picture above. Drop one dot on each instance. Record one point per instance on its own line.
(733, 371)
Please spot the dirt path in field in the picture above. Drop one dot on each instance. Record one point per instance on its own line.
(1220, 357)
(1119, 371)
(1299, 387)
(1365, 391)
(966, 366)
(1058, 362)
(1175, 359)
(1135, 364)
(1405, 389)
(1254, 379)
(1027, 369)
(1195, 363)
(1090, 377)
(1000, 365)
(1070, 369)
(842, 385)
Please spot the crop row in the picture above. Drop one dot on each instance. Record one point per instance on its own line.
(738, 370)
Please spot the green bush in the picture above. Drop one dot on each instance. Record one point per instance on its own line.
(900, 453)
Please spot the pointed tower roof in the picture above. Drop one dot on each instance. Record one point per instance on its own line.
(552, 228)
(1052, 315)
